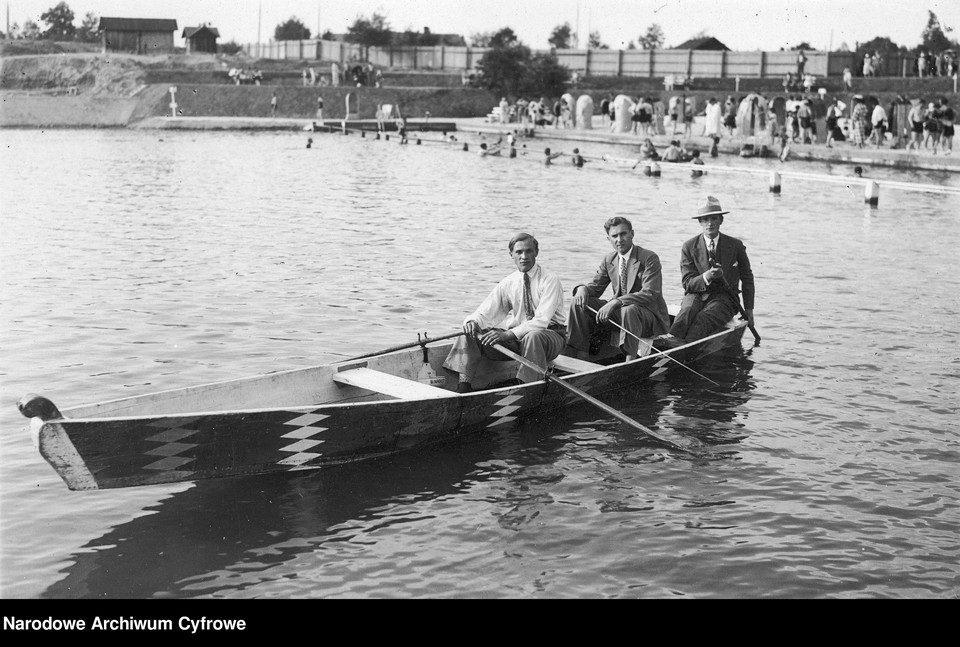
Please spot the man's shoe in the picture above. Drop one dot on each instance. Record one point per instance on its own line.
(464, 387)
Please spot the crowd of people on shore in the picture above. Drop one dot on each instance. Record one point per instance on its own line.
(918, 125)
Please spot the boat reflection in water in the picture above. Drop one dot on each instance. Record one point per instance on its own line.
(296, 534)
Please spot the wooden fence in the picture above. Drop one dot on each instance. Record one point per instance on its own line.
(590, 62)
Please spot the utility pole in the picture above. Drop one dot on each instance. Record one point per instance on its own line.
(576, 35)
(259, 18)
(318, 20)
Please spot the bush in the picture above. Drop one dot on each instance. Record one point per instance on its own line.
(230, 48)
(514, 72)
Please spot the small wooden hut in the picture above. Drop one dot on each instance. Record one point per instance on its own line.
(202, 39)
(138, 35)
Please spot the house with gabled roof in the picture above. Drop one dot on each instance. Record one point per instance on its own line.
(201, 39)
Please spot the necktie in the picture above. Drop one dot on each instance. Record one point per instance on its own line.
(713, 252)
(623, 276)
(527, 297)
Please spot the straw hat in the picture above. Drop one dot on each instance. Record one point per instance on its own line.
(709, 206)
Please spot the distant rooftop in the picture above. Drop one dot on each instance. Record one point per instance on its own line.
(710, 43)
(138, 24)
(188, 32)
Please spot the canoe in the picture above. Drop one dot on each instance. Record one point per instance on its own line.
(311, 418)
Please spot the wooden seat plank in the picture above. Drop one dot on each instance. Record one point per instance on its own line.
(398, 387)
(574, 365)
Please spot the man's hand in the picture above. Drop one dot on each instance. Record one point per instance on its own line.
(471, 328)
(749, 316)
(495, 336)
(580, 297)
(608, 309)
(713, 274)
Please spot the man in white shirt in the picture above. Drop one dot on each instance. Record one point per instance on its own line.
(637, 306)
(524, 313)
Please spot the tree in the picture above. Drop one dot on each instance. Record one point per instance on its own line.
(504, 38)
(544, 76)
(480, 39)
(652, 39)
(293, 29)
(513, 71)
(805, 46)
(560, 37)
(370, 32)
(503, 68)
(59, 21)
(30, 30)
(595, 42)
(89, 30)
(933, 38)
(880, 44)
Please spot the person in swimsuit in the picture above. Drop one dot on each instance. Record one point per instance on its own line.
(915, 119)
(931, 127)
(947, 118)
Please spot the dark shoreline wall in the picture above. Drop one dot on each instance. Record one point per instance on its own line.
(51, 110)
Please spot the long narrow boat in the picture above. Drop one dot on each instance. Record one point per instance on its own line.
(310, 418)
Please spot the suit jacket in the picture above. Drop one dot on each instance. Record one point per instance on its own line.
(733, 260)
(644, 282)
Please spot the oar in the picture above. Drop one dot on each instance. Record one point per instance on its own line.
(414, 344)
(589, 398)
(656, 350)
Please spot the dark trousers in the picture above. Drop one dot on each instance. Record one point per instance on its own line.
(584, 328)
(699, 317)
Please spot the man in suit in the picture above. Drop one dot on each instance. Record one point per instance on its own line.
(637, 304)
(713, 267)
(524, 313)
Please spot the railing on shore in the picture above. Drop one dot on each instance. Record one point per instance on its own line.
(591, 62)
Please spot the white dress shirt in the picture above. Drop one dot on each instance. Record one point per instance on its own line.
(503, 307)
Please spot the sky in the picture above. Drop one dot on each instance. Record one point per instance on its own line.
(767, 25)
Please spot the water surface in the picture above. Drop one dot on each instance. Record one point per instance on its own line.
(140, 261)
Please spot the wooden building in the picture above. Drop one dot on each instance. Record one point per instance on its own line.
(201, 39)
(138, 35)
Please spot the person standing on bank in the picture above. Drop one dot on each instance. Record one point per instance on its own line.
(637, 304)
(713, 267)
(273, 105)
(524, 313)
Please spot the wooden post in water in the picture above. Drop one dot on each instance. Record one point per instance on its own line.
(871, 193)
(775, 182)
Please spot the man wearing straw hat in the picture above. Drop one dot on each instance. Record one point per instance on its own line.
(713, 267)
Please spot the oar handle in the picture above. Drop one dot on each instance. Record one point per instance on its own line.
(743, 313)
(414, 344)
